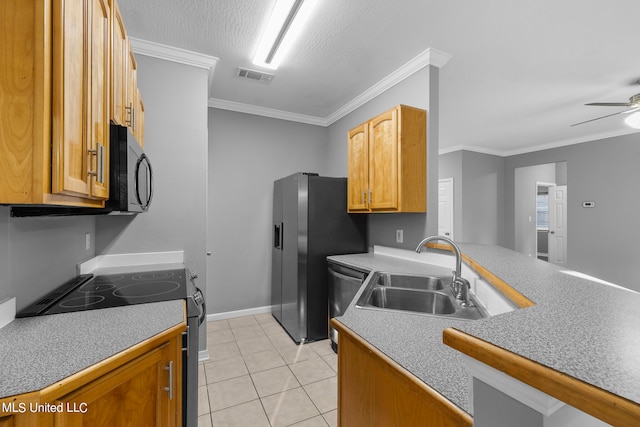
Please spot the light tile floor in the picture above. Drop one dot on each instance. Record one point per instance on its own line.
(257, 376)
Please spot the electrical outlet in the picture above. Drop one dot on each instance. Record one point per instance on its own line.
(399, 236)
(87, 241)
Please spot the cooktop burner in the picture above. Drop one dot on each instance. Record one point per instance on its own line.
(87, 292)
(144, 290)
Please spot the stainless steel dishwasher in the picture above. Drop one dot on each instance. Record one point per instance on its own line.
(344, 283)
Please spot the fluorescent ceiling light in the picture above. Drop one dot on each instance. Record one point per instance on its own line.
(285, 24)
(633, 120)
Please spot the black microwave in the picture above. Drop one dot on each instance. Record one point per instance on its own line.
(131, 176)
(130, 182)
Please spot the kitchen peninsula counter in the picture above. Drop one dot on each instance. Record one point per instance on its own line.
(578, 328)
(37, 352)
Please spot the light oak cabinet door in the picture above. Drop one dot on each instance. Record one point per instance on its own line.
(119, 56)
(358, 169)
(134, 105)
(143, 392)
(71, 158)
(81, 98)
(387, 163)
(139, 119)
(383, 161)
(373, 390)
(100, 96)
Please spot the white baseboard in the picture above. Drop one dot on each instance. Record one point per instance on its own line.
(238, 313)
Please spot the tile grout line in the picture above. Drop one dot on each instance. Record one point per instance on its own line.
(272, 340)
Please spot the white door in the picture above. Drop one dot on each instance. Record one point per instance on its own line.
(558, 224)
(445, 207)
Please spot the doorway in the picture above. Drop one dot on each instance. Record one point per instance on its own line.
(542, 219)
(541, 212)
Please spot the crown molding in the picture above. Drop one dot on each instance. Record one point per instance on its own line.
(473, 148)
(430, 56)
(266, 112)
(571, 141)
(174, 54)
(541, 147)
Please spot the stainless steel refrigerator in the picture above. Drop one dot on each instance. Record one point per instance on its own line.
(310, 222)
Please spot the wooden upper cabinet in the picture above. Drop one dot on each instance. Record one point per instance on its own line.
(139, 118)
(119, 57)
(54, 112)
(387, 162)
(134, 105)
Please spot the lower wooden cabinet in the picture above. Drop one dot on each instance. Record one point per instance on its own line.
(139, 387)
(373, 390)
(142, 393)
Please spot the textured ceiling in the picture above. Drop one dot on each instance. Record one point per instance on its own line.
(520, 72)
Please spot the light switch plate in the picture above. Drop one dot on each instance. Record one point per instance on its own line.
(399, 236)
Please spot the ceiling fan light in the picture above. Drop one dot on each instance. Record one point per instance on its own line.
(633, 120)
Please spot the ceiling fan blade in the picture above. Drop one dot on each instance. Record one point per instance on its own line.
(610, 104)
(608, 115)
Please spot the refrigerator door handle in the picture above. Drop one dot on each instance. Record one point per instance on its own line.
(281, 235)
(276, 236)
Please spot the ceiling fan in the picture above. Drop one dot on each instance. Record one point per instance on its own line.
(634, 104)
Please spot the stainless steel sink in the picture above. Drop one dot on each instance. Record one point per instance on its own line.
(408, 281)
(411, 300)
(427, 295)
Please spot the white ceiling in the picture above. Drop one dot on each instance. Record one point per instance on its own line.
(519, 75)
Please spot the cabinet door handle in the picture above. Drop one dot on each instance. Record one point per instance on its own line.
(101, 160)
(370, 196)
(129, 119)
(170, 388)
(95, 172)
(363, 196)
(100, 163)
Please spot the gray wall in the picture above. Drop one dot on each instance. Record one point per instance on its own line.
(419, 90)
(246, 154)
(602, 241)
(39, 254)
(175, 99)
(478, 192)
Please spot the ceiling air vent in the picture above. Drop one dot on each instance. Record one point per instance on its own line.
(258, 76)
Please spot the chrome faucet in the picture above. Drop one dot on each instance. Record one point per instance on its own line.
(459, 285)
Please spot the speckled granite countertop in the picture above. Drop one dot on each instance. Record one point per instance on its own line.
(36, 352)
(579, 327)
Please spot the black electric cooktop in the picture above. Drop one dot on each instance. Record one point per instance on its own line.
(89, 292)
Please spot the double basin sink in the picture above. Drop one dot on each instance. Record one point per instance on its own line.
(428, 295)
